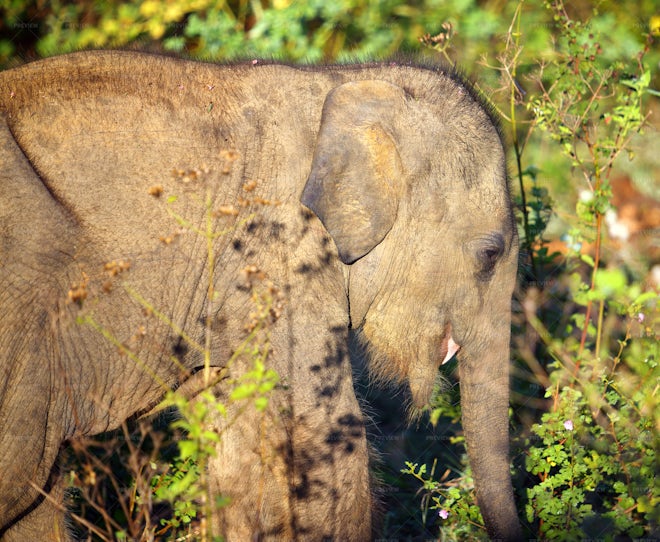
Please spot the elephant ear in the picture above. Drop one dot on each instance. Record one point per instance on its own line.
(356, 179)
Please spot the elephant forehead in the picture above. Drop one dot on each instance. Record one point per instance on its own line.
(460, 213)
(487, 204)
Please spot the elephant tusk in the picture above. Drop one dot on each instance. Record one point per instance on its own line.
(452, 348)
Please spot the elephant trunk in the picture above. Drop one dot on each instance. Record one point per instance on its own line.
(484, 404)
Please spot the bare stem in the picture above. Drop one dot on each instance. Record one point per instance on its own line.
(514, 136)
(210, 255)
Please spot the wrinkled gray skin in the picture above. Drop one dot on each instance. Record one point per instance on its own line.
(405, 233)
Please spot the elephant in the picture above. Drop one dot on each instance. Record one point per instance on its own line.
(370, 198)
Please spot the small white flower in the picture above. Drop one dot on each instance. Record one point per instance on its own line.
(586, 195)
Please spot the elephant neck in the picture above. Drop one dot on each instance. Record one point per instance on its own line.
(361, 285)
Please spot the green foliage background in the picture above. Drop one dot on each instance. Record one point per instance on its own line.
(576, 87)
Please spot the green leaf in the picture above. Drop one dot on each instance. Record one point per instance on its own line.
(611, 282)
(586, 258)
(261, 403)
(643, 298)
(243, 391)
(188, 449)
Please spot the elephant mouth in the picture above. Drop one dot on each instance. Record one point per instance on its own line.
(449, 347)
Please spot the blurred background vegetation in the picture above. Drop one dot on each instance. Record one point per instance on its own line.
(576, 88)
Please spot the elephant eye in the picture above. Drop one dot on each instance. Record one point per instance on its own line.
(489, 252)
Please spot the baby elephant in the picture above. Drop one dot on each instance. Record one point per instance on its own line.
(371, 197)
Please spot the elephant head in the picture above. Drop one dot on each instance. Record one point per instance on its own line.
(411, 185)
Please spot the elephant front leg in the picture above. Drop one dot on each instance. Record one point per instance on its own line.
(330, 482)
(300, 469)
(249, 469)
